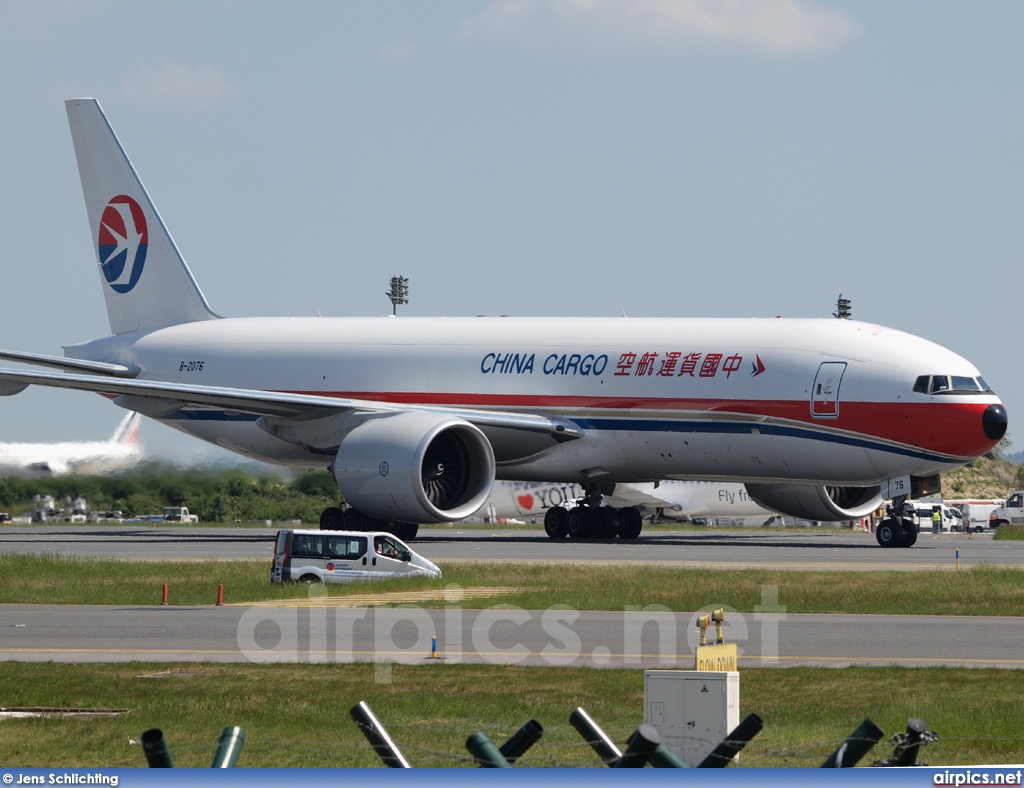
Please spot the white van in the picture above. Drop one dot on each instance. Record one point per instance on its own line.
(951, 518)
(344, 557)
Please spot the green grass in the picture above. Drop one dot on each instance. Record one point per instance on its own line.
(297, 715)
(1011, 533)
(984, 590)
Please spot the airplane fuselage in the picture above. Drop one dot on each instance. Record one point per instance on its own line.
(822, 401)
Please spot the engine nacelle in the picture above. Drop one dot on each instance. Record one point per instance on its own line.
(415, 467)
(817, 502)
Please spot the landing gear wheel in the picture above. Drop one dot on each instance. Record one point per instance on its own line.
(909, 534)
(607, 521)
(405, 531)
(889, 533)
(631, 522)
(330, 519)
(556, 522)
(352, 520)
(579, 522)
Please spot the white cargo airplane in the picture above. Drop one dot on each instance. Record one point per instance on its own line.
(667, 500)
(416, 417)
(86, 457)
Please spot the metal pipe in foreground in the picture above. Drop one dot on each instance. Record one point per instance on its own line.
(154, 745)
(595, 737)
(378, 737)
(522, 740)
(855, 747)
(641, 745)
(741, 735)
(486, 752)
(228, 748)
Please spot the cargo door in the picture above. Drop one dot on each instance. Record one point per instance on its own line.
(825, 394)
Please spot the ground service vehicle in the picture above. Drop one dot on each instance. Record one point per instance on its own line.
(344, 557)
(1010, 512)
(951, 519)
(179, 514)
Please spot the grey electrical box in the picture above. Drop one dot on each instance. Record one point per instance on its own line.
(693, 710)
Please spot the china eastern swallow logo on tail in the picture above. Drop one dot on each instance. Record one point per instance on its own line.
(758, 367)
(123, 241)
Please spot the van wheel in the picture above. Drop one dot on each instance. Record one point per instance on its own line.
(309, 579)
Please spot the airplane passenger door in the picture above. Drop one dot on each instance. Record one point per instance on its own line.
(825, 394)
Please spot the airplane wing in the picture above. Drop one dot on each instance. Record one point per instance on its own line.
(159, 399)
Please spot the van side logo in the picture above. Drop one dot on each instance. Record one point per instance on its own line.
(123, 241)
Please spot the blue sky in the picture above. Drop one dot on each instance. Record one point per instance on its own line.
(730, 158)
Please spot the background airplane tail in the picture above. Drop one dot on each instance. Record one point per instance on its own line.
(128, 430)
(145, 280)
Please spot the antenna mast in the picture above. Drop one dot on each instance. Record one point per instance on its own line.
(399, 293)
(843, 311)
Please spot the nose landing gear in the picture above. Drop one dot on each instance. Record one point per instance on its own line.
(896, 531)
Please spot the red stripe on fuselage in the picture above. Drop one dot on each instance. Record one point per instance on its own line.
(953, 428)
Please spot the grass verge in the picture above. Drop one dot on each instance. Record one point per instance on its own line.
(985, 590)
(297, 715)
(1010, 533)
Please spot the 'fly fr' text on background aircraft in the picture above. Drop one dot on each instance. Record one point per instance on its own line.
(416, 417)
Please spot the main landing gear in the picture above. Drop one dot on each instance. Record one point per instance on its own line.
(896, 531)
(588, 519)
(334, 518)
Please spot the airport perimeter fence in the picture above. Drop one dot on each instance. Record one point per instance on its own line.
(644, 747)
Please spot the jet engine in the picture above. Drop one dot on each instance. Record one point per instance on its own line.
(817, 502)
(415, 467)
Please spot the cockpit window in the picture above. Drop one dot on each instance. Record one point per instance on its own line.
(964, 384)
(950, 384)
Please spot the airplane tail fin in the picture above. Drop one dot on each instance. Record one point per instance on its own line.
(145, 280)
(128, 430)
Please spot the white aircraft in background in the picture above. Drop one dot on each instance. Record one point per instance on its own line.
(122, 451)
(656, 501)
(416, 417)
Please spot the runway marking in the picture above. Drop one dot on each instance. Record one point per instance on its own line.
(387, 598)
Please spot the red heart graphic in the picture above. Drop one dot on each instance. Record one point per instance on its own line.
(525, 501)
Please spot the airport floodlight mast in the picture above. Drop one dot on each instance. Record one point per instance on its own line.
(399, 293)
(843, 311)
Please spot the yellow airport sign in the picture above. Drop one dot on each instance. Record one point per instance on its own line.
(719, 657)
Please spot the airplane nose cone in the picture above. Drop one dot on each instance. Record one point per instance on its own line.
(994, 422)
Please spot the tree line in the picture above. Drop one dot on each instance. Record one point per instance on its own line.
(215, 496)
